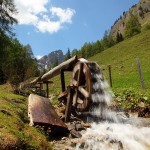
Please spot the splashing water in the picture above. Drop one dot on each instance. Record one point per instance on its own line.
(114, 136)
(114, 132)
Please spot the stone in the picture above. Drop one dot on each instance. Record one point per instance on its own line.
(79, 127)
(75, 134)
(71, 126)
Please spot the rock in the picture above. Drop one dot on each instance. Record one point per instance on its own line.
(127, 114)
(73, 143)
(63, 138)
(141, 104)
(144, 112)
(75, 134)
(109, 128)
(71, 126)
(79, 127)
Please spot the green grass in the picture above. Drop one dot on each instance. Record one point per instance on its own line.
(15, 132)
(122, 58)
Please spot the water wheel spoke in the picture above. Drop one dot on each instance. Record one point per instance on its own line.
(79, 101)
(84, 92)
(75, 99)
(74, 82)
(80, 73)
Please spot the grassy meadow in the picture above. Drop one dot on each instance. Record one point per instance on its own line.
(15, 132)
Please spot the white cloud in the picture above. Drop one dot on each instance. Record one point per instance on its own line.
(48, 26)
(65, 15)
(36, 13)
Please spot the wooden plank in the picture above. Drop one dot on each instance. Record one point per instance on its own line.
(41, 111)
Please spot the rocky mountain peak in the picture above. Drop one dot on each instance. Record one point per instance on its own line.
(47, 60)
(141, 9)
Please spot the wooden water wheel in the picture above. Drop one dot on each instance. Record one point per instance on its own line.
(81, 80)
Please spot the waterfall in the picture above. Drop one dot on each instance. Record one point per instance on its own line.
(110, 131)
(101, 97)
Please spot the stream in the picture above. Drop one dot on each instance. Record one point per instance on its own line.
(115, 136)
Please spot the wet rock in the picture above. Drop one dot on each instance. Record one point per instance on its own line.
(127, 114)
(109, 128)
(73, 143)
(144, 112)
(79, 127)
(63, 138)
(75, 134)
(71, 126)
(82, 145)
(120, 145)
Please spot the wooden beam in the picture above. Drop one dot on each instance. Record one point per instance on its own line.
(67, 65)
(55, 71)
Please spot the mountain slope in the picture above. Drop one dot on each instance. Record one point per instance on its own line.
(122, 58)
(141, 9)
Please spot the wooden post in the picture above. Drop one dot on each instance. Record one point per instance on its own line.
(41, 88)
(62, 80)
(140, 72)
(69, 104)
(47, 90)
(110, 78)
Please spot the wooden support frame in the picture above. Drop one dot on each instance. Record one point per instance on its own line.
(41, 86)
(63, 87)
(69, 104)
(47, 87)
(47, 90)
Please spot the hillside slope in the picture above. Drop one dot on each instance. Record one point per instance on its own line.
(122, 58)
(15, 132)
(141, 9)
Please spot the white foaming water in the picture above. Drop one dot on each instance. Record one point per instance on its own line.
(112, 133)
(113, 136)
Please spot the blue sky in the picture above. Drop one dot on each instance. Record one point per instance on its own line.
(49, 25)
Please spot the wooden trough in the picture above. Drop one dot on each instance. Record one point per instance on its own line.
(41, 112)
